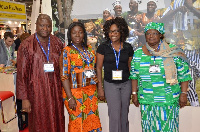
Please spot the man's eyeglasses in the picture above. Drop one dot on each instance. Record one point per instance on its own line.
(153, 34)
(114, 31)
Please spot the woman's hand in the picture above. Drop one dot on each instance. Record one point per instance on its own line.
(183, 100)
(26, 106)
(101, 95)
(72, 103)
(135, 100)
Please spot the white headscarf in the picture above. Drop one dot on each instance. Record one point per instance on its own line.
(107, 10)
(117, 2)
(154, 1)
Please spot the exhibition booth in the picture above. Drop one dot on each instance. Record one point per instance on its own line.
(12, 17)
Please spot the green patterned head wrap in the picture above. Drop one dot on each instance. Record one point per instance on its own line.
(154, 25)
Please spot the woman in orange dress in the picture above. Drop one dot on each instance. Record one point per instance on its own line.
(79, 80)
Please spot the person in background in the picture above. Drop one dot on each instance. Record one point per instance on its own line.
(160, 75)
(77, 70)
(7, 48)
(151, 15)
(117, 8)
(132, 17)
(193, 56)
(38, 82)
(99, 25)
(115, 56)
(17, 41)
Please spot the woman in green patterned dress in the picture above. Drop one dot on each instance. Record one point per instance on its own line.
(160, 75)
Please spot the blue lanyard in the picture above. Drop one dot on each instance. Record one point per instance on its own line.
(84, 55)
(47, 55)
(116, 57)
(157, 49)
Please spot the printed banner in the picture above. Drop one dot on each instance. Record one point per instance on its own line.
(8, 6)
(5, 16)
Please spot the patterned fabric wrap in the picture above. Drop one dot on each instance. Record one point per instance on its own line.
(160, 118)
(167, 55)
(155, 25)
(86, 116)
(152, 87)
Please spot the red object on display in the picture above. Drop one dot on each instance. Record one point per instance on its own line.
(5, 94)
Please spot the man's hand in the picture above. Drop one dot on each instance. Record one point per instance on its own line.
(26, 106)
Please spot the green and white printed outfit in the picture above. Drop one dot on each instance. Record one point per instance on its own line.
(159, 100)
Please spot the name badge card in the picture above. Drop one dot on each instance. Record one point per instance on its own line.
(89, 73)
(154, 69)
(116, 74)
(48, 67)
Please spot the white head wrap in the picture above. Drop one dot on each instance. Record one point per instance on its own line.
(117, 2)
(107, 10)
(154, 1)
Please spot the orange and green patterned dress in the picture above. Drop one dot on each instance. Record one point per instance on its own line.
(86, 116)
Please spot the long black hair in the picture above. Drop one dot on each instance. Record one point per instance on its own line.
(69, 32)
(121, 24)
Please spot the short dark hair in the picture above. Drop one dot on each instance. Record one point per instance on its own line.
(69, 32)
(43, 16)
(8, 34)
(121, 24)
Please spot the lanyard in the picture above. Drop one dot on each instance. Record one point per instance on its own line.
(84, 55)
(47, 55)
(157, 49)
(9, 50)
(116, 57)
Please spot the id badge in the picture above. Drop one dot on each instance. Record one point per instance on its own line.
(116, 74)
(89, 73)
(154, 69)
(48, 67)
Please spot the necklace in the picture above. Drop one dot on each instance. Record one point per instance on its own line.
(155, 48)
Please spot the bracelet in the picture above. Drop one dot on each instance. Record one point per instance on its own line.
(134, 92)
(70, 99)
(184, 92)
